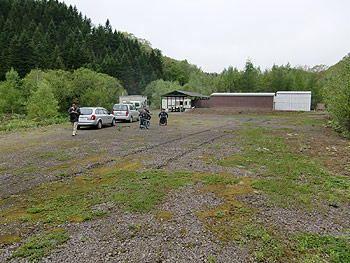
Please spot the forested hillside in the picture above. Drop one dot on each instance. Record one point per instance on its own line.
(49, 35)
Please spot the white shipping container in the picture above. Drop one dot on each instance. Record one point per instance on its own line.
(293, 100)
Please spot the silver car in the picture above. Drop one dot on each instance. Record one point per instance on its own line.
(126, 112)
(95, 116)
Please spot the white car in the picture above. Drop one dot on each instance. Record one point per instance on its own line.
(95, 116)
(126, 112)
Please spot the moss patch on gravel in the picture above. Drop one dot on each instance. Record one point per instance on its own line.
(164, 215)
(227, 220)
(8, 239)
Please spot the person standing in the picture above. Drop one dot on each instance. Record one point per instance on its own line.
(74, 113)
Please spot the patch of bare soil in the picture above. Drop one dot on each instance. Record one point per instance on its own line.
(323, 144)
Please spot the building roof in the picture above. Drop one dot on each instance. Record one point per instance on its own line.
(293, 92)
(243, 94)
(179, 93)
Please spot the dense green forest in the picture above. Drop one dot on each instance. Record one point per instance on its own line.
(49, 47)
(49, 35)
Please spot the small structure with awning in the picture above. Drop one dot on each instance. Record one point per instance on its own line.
(178, 100)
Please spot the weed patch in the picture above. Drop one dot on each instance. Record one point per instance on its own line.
(48, 154)
(39, 246)
(293, 179)
(3, 169)
(29, 169)
(224, 179)
(142, 191)
(269, 245)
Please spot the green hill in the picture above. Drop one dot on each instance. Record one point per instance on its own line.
(50, 35)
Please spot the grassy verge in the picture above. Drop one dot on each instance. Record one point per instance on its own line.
(18, 122)
(292, 180)
(270, 245)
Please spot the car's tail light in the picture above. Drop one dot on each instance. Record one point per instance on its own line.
(126, 113)
(93, 117)
(112, 112)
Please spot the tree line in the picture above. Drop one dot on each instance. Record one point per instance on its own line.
(250, 79)
(44, 94)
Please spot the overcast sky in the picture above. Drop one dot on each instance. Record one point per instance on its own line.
(214, 34)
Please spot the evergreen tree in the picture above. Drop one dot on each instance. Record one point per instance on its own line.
(248, 81)
(21, 55)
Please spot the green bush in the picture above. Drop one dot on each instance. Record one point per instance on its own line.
(336, 94)
(42, 103)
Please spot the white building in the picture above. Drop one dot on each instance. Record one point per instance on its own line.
(292, 101)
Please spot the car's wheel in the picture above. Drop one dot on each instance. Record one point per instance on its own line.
(99, 125)
(131, 120)
(78, 127)
(113, 122)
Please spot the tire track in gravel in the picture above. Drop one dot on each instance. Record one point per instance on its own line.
(158, 147)
(138, 150)
(163, 146)
(175, 157)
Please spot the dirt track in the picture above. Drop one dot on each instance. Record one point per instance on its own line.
(189, 143)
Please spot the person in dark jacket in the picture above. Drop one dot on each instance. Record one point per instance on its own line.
(74, 113)
(144, 118)
(163, 117)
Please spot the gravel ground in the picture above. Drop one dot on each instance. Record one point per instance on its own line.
(189, 143)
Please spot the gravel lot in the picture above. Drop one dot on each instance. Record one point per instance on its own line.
(189, 143)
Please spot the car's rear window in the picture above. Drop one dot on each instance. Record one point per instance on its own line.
(85, 111)
(120, 107)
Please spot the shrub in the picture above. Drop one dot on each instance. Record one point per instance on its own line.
(337, 96)
(42, 103)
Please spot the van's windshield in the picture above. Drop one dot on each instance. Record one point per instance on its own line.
(120, 108)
